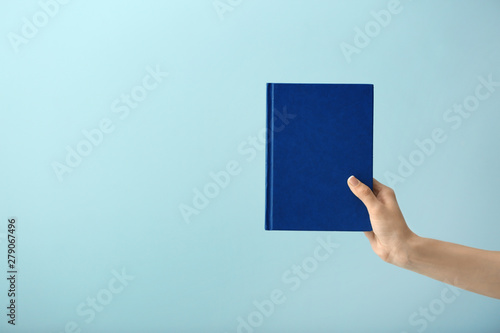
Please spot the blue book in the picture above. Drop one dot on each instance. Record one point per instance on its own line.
(317, 136)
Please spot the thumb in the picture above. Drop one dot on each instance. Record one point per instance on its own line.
(363, 192)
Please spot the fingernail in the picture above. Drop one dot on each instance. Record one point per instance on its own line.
(353, 181)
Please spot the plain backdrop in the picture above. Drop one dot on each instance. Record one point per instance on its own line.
(119, 209)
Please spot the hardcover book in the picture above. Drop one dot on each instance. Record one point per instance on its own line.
(317, 136)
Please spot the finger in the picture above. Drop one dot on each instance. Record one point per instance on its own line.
(383, 193)
(363, 192)
(371, 237)
(369, 234)
(377, 186)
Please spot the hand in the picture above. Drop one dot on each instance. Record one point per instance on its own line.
(468, 268)
(391, 235)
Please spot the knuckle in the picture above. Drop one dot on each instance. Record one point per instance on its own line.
(391, 192)
(364, 191)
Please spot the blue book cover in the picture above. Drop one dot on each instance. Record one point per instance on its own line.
(317, 136)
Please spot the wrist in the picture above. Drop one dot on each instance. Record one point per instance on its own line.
(406, 251)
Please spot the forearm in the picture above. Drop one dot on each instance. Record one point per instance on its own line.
(462, 266)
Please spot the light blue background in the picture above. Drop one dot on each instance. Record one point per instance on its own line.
(120, 207)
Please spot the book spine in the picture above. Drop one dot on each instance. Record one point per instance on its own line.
(370, 178)
(269, 155)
